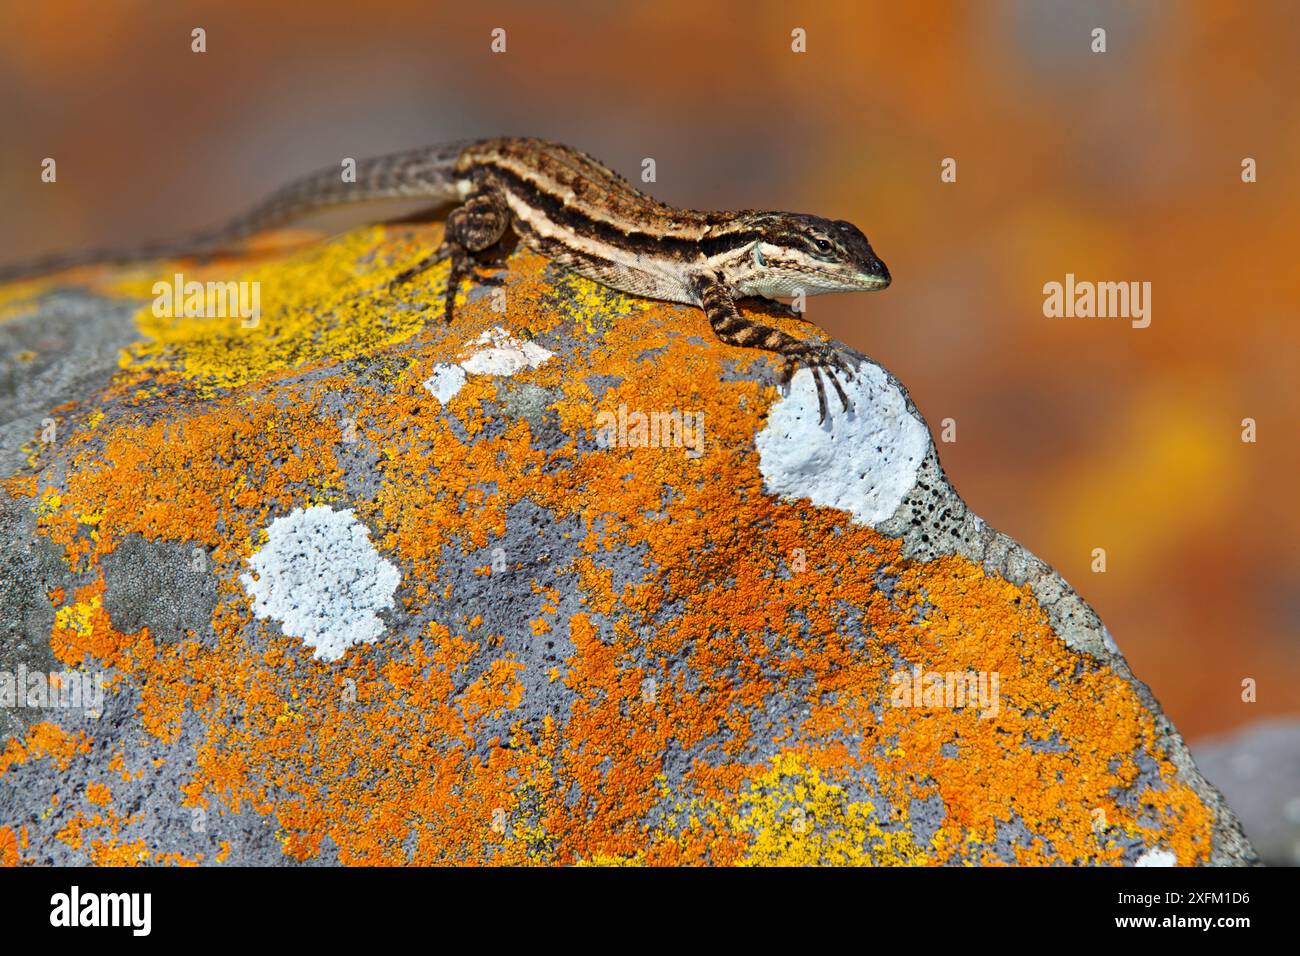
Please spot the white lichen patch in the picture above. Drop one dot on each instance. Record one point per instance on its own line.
(863, 461)
(321, 578)
(445, 382)
(504, 355)
(1157, 858)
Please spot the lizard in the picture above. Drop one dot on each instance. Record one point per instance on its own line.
(572, 209)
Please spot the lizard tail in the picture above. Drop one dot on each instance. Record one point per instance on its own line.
(422, 174)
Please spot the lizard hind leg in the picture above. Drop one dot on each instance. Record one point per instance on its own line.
(821, 360)
(475, 225)
(480, 221)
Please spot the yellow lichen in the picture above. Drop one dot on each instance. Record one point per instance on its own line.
(797, 818)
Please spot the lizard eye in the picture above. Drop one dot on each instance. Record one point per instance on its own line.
(822, 245)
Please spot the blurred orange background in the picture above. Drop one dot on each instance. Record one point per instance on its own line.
(1072, 434)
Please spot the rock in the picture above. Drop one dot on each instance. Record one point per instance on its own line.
(564, 581)
(1258, 769)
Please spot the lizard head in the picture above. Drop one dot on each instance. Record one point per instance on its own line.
(794, 252)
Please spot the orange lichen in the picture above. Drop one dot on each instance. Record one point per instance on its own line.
(428, 757)
(99, 834)
(45, 741)
(9, 854)
(83, 630)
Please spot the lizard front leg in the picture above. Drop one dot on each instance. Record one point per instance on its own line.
(731, 327)
(475, 225)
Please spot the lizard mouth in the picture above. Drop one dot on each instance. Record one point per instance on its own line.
(875, 275)
(870, 281)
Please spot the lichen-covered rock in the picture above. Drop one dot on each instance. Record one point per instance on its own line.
(563, 581)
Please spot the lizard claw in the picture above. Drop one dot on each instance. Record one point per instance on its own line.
(403, 277)
(406, 275)
(822, 361)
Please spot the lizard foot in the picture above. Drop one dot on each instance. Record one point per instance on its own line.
(824, 362)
